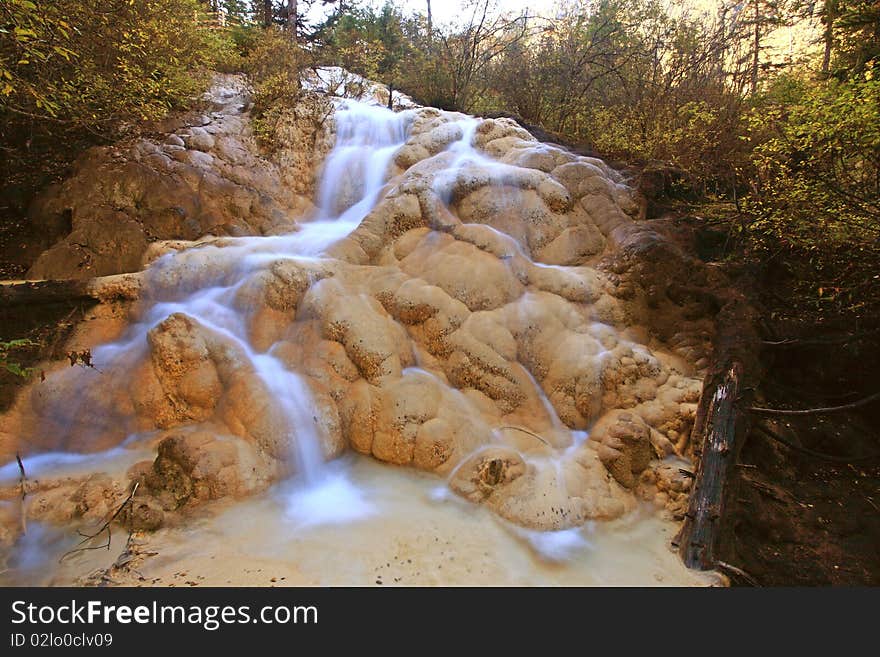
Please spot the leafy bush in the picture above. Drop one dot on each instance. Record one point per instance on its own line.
(273, 65)
(76, 72)
(91, 62)
(816, 184)
(6, 348)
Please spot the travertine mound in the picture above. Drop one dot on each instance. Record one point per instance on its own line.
(507, 324)
(206, 176)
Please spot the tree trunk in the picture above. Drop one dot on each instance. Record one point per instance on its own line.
(390, 96)
(720, 428)
(430, 26)
(267, 13)
(829, 16)
(756, 46)
(292, 17)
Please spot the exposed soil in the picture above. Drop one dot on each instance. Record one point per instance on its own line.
(19, 247)
(47, 326)
(797, 519)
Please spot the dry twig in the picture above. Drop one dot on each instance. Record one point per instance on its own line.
(816, 411)
(739, 572)
(840, 339)
(23, 484)
(531, 433)
(811, 452)
(80, 547)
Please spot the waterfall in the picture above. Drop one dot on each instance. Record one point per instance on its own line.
(462, 330)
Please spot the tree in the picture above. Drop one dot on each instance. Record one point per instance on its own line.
(551, 79)
(829, 18)
(235, 11)
(292, 18)
(857, 37)
(268, 13)
(466, 53)
(816, 184)
(373, 44)
(390, 32)
(430, 25)
(78, 72)
(764, 16)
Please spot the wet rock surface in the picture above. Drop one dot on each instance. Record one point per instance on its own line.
(499, 317)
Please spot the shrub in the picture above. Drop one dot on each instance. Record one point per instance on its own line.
(76, 72)
(273, 65)
(816, 184)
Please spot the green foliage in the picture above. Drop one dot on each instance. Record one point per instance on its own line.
(95, 61)
(76, 72)
(368, 42)
(857, 31)
(6, 348)
(273, 64)
(245, 37)
(796, 153)
(460, 71)
(816, 184)
(633, 82)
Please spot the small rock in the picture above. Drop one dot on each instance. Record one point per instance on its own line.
(199, 139)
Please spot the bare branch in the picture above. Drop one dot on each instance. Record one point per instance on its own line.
(816, 411)
(80, 547)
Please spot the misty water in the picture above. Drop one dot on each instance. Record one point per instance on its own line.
(326, 506)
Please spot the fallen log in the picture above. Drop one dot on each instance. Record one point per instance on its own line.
(120, 287)
(28, 293)
(720, 428)
(717, 439)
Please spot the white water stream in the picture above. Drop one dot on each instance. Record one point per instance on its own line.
(326, 494)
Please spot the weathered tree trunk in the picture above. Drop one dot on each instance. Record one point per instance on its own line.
(90, 291)
(292, 17)
(829, 15)
(268, 13)
(720, 428)
(430, 26)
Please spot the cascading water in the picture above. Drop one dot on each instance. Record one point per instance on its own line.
(209, 289)
(366, 139)
(353, 175)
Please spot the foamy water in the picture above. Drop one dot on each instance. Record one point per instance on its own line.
(339, 522)
(404, 535)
